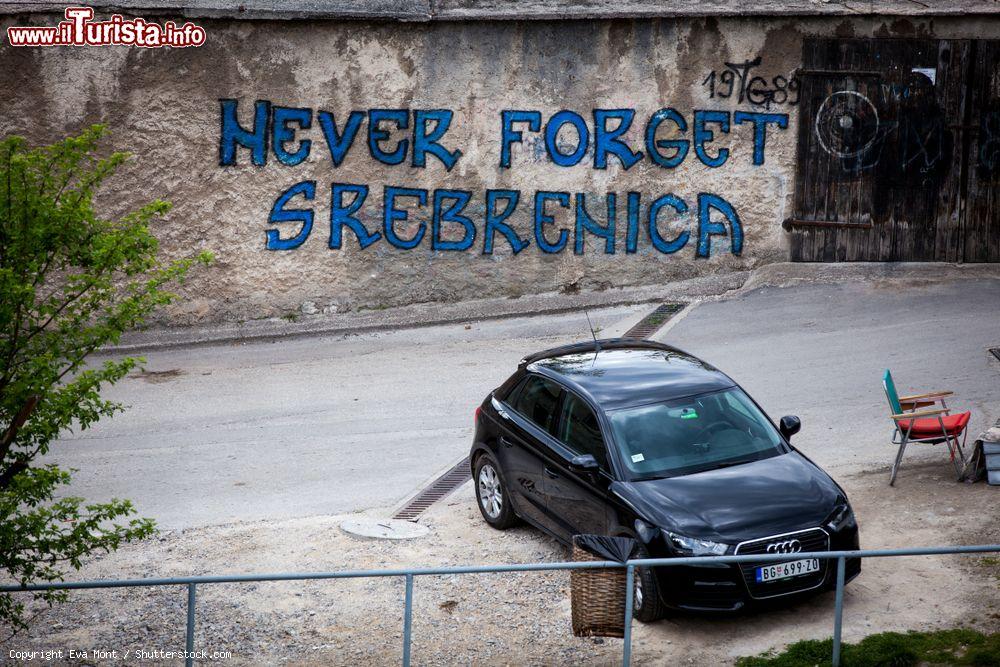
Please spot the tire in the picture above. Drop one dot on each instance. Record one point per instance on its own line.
(492, 496)
(647, 605)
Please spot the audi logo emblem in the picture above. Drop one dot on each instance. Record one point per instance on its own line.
(786, 547)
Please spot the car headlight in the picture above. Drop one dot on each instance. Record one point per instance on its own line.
(842, 517)
(692, 546)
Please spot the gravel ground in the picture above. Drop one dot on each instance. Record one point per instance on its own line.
(503, 619)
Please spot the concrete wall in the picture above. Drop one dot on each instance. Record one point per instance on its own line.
(164, 106)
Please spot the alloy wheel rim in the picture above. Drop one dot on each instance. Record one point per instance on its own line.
(490, 493)
(637, 594)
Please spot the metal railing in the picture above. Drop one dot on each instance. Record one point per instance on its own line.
(409, 573)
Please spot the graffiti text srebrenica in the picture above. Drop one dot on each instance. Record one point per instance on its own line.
(449, 219)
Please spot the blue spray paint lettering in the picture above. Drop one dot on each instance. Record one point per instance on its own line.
(425, 141)
(344, 216)
(552, 129)
(679, 146)
(608, 142)
(453, 213)
(495, 222)
(760, 121)
(393, 214)
(281, 134)
(395, 134)
(338, 143)
(233, 134)
(377, 135)
(632, 213)
(280, 214)
(508, 135)
(543, 218)
(708, 202)
(703, 135)
(661, 244)
(585, 223)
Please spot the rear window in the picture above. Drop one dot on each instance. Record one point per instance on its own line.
(537, 399)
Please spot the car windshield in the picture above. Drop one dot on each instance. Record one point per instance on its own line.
(693, 434)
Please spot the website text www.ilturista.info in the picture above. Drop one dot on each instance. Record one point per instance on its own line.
(102, 656)
(79, 29)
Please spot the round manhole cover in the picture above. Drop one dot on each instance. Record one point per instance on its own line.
(384, 529)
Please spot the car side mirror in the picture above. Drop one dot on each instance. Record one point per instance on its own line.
(584, 463)
(789, 426)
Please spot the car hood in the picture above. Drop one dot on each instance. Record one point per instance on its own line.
(768, 497)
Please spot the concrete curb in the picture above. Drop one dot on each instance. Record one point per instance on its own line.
(706, 288)
(427, 314)
(883, 274)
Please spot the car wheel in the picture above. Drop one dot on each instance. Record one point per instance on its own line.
(647, 606)
(491, 494)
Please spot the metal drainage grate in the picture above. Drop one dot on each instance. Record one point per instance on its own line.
(650, 324)
(995, 351)
(438, 489)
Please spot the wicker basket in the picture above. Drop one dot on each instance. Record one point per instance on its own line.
(598, 598)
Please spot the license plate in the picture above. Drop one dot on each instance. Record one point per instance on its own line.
(786, 570)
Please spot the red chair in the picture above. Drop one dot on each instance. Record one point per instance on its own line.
(928, 426)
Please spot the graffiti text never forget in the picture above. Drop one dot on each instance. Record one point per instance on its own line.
(417, 137)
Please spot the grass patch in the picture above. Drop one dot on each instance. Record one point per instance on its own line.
(891, 649)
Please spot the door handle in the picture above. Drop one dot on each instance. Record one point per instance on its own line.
(505, 441)
(550, 473)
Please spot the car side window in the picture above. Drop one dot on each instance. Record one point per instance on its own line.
(580, 431)
(515, 391)
(538, 400)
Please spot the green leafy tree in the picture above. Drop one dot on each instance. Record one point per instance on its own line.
(70, 283)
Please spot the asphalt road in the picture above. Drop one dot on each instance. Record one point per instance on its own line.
(819, 352)
(307, 426)
(331, 425)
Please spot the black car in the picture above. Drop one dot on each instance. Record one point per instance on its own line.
(640, 439)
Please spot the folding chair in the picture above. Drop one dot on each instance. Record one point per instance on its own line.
(929, 426)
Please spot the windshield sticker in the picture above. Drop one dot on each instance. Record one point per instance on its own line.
(638, 458)
(683, 413)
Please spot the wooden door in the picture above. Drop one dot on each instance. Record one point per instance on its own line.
(981, 213)
(882, 128)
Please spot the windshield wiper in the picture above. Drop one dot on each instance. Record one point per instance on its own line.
(727, 464)
(730, 464)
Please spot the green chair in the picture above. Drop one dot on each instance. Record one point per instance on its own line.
(915, 421)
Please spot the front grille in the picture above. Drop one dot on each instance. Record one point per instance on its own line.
(714, 595)
(813, 539)
(701, 587)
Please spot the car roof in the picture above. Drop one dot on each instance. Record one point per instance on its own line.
(621, 373)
